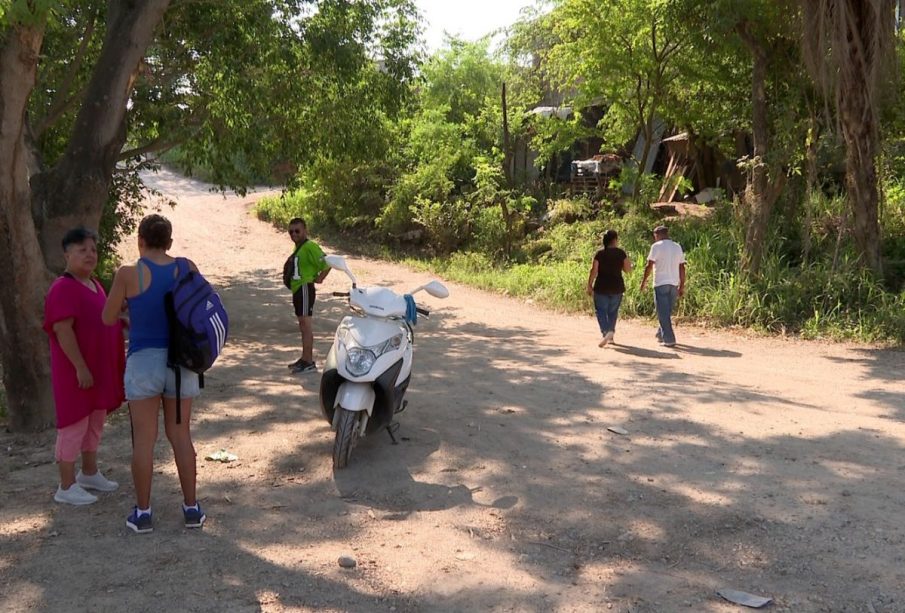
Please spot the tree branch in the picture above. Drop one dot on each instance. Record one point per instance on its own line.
(60, 103)
(158, 145)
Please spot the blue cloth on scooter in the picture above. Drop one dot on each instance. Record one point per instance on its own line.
(411, 313)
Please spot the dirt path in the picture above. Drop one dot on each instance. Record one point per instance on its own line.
(770, 466)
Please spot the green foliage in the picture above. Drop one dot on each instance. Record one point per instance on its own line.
(436, 163)
(463, 79)
(446, 224)
(537, 249)
(552, 135)
(24, 12)
(242, 86)
(122, 212)
(279, 210)
(817, 300)
(569, 210)
(490, 231)
(625, 51)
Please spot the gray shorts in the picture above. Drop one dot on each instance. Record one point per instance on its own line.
(147, 376)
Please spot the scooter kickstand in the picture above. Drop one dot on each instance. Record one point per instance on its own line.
(391, 430)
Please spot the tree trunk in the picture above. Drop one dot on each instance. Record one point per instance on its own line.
(75, 190)
(759, 195)
(860, 131)
(647, 132)
(812, 191)
(507, 147)
(35, 211)
(23, 345)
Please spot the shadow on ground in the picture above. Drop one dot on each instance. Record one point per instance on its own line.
(655, 521)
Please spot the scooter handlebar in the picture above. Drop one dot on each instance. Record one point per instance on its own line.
(422, 311)
(341, 294)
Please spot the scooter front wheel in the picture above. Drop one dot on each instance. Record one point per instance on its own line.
(348, 424)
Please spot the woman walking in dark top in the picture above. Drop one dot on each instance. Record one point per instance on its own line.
(605, 284)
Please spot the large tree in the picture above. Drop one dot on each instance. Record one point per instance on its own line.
(624, 53)
(87, 87)
(849, 46)
(765, 31)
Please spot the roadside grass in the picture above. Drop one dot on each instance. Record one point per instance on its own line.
(828, 298)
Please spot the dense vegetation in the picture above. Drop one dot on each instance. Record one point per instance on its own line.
(782, 252)
(447, 157)
(93, 92)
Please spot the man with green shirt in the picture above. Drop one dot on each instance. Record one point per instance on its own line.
(306, 267)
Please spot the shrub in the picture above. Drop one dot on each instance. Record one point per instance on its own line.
(569, 210)
(278, 210)
(489, 230)
(538, 248)
(446, 225)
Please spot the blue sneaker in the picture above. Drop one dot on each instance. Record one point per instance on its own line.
(140, 524)
(194, 518)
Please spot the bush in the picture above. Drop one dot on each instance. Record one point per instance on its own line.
(429, 181)
(569, 210)
(536, 249)
(446, 225)
(278, 210)
(489, 231)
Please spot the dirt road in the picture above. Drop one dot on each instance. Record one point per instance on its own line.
(765, 465)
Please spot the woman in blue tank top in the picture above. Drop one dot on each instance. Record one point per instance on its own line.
(141, 288)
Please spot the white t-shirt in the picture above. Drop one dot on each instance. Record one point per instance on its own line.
(666, 256)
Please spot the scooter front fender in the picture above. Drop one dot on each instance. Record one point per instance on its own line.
(356, 397)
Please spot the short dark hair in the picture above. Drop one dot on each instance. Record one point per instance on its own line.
(298, 221)
(662, 230)
(156, 230)
(77, 236)
(609, 237)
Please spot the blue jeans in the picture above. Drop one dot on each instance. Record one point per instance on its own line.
(665, 299)
(607, 308)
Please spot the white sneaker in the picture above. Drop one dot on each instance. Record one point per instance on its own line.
(611, 337)
(603, 341)
(97, 481)
(74, 495)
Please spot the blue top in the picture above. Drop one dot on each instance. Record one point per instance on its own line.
(148, 325)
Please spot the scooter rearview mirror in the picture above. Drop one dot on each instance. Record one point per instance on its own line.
(339, 263)
(436, 289)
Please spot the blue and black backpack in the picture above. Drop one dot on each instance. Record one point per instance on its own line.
(198, 322)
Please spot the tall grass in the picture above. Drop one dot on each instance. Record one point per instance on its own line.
(814, 300)
(279, 210)
(827, 297)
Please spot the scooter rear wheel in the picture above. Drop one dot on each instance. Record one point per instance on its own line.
(347, 428)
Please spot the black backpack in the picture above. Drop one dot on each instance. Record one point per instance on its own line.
(289, 271)
(289, 266)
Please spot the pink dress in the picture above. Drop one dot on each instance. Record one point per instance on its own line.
(102, 347)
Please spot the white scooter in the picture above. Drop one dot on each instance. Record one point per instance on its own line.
(369, 365)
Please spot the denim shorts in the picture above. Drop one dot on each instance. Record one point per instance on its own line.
(147, 376)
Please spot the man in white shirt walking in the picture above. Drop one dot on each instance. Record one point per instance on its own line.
(667, 261)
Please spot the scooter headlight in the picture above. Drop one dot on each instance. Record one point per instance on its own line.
(359, 361)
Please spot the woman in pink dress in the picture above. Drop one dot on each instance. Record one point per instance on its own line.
(86, 361)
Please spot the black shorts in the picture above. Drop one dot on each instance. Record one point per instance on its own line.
(303, 301)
